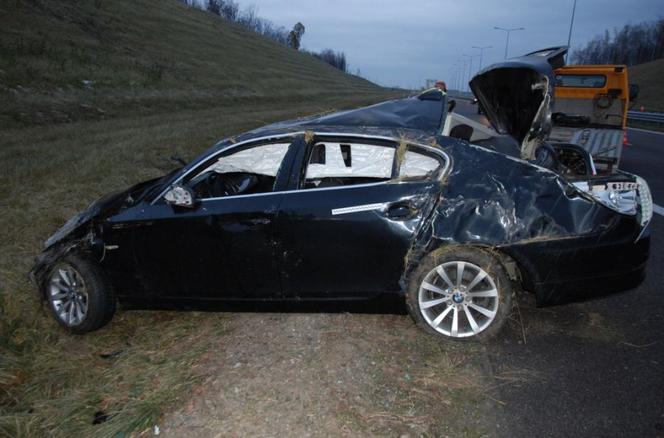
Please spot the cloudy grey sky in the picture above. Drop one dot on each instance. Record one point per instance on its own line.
(400, 42)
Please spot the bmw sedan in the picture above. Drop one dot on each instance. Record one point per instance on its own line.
(403, 197)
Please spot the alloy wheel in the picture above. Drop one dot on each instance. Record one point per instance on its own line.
(68, 295)
(458, 299)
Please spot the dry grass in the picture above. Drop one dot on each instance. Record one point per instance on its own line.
(335, 375)
(165, 80)
(52, 383)
(650, 77)
(91, 59)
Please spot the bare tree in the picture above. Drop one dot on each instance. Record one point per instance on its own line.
(335, 59)
(633, 44)
(230, 10)
(295, 36)
(214, 6)
(249, 19)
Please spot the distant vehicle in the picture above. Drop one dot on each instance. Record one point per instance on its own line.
(366, 202)
(590, 110)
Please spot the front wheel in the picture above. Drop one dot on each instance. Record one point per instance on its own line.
(79, 295)
(460, 293)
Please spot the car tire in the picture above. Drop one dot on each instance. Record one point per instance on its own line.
(79, 295)
(484, 295)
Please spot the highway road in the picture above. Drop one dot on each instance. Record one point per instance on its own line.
(593, 368)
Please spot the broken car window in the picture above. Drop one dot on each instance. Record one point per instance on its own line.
(338, 164)
(416, 164)
(245, 172)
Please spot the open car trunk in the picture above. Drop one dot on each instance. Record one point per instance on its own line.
(518, 99)
(517, 96)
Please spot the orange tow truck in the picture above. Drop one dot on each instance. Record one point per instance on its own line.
(591, 104)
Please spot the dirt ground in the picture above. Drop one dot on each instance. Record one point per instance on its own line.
(323, 374)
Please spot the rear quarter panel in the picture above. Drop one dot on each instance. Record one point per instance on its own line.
(531, 214)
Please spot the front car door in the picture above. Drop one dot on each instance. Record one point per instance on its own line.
(350, 216)
(223, 247)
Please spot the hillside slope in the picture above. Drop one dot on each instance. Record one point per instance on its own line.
(90, 59)
(650, 77)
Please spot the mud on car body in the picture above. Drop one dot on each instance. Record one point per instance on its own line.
(402, 197)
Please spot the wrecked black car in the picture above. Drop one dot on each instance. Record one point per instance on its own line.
(403, 197)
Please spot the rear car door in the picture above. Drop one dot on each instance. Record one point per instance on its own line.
(350, 216)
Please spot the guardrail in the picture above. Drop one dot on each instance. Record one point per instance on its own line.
(645, 117)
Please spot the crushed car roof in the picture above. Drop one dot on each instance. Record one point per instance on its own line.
(413, 117)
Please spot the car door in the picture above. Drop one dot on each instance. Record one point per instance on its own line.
(223, 247)
(349, 219)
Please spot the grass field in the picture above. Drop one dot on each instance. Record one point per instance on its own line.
(91, 59)
(95, 97)
(52, 383)
(650, 77)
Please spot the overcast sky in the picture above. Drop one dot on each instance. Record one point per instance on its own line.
(400, 42)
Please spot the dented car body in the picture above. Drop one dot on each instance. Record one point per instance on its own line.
(355, 204)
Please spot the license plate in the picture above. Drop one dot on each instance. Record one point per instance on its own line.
(621, 186)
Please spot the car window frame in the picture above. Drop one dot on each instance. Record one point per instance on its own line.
(445, 168)
(196, 168)
(436, 153)
(392, 144)
(418, 149)
(206, 164)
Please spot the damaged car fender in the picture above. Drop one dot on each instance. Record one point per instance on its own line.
(534, 217)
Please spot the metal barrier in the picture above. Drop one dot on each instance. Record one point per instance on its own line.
(645, 117)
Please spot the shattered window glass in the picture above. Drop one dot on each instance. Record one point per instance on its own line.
(418, 165)
(338, 164)
(246, 172)
(261, 160)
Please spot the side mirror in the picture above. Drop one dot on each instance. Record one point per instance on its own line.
(180, 196)
(633, 91)
(451, 105)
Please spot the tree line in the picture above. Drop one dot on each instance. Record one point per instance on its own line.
(633, 44)
(249, 19)
(335, 59)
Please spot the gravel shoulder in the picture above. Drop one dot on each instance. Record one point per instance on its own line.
(322, 374)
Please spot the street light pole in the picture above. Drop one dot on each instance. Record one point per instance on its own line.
(481, 49)
(455, 81)
(470, 69)
(571, 24)
(460, 69)
(508, 31)
(462, 72)
(470, 66)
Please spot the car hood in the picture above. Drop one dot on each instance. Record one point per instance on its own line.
(103, 207)
(517, 96)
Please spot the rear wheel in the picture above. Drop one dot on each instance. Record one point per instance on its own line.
(460, 293)
(79, 295)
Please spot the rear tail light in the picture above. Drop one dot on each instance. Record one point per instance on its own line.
(631, 198)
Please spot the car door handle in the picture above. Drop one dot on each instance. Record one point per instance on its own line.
(255, 221)
(401, 210)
